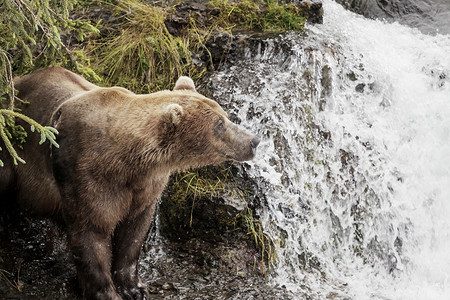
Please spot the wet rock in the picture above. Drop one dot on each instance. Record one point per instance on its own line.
(201, 12)
(313, 11)
(360, 87)
(34, 258)
(192, 279)
(428, 16)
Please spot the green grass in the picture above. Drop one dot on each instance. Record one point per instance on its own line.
(206, 182)
(144, 56)
(253, 15)
(254, 229)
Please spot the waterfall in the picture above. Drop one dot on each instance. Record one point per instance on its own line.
(354, 162)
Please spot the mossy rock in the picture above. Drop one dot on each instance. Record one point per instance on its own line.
(215, 205)
(194, 204)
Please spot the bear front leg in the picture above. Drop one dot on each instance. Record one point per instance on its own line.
(127, 244)
(92, 256)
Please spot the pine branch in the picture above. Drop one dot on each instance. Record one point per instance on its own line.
(9, 77)
(30, 37)
(47, 133)
(4, 135)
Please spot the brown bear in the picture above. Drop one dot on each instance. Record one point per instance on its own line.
(117, 150)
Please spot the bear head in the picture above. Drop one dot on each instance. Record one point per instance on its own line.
(197, 131)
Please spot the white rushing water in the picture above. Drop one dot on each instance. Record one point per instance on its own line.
(355, 157)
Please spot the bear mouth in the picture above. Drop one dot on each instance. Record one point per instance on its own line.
(242, 151)
(242, 156)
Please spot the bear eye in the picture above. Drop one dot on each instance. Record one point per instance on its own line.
(220, 125)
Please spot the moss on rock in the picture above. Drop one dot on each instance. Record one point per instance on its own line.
(197, 205)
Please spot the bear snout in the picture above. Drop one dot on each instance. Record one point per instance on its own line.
(254, 143)
(241, 143)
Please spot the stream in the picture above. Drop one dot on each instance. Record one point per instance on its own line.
(354, 161)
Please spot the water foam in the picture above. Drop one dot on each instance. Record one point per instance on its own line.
(355, 157)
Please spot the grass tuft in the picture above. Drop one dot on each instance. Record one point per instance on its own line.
(266, 15)
(254, 230)
(14, 283)
(144, 56)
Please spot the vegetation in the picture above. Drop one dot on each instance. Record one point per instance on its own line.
(189, 190)
(266, 16)
(7, 120)
(30, 38)
(254, 229)
(14, 283)
(210, 182)
(144, 56)
(187, 193)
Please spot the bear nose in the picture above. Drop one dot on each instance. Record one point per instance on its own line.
(254, 143)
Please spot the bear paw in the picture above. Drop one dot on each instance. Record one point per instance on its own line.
(136, 293)
(106, 294)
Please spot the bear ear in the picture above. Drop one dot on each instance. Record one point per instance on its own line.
(184, 83)
(173, 113)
